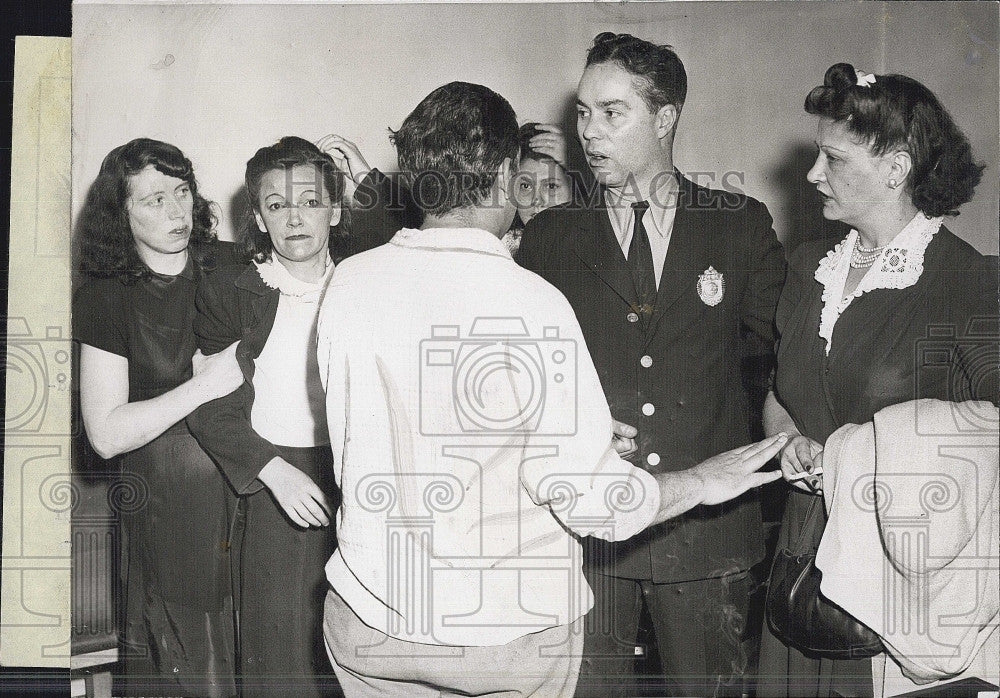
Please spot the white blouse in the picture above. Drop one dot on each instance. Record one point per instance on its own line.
(289, 407)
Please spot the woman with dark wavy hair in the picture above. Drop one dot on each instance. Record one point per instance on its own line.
(270, 437)
(891, 165)
(145, 240)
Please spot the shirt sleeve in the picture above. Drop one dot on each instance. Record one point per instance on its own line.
(576, 473)
(331, 357)
(97, 316)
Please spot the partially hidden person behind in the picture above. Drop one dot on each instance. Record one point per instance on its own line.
(146, 239)
(458, 571)
(895, 311)
(543, 177)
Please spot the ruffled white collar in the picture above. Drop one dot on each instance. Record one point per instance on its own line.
(899, 265)
(274, 275)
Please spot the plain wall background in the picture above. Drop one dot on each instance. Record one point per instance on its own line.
(220, 81)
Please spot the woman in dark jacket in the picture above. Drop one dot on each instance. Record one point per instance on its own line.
(270, 436)
(891, 313)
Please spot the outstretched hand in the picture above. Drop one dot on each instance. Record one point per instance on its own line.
(730, 474)
(296, 493)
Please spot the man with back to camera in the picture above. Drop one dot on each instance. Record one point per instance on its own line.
(674, 285)
(471, 436)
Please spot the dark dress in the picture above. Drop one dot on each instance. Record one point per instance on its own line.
(178, 636)
(935, 339)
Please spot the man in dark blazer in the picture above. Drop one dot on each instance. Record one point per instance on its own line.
(674, 306)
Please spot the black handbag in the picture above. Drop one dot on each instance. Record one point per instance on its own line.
(798, 613)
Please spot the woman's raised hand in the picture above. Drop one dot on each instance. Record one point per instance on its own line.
(296, 493)
(348, 158)
(549, 140)
(218, 374)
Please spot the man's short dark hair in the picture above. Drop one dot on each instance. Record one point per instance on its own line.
(452, 144)
(658, 68)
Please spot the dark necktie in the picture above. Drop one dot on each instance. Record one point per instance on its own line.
(640, 262)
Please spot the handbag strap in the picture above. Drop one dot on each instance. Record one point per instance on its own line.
(812, 524)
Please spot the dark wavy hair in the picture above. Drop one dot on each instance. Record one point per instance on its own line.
(452, 144)
(898, 113)
(288, 152)
(106, 245)
(660, 70)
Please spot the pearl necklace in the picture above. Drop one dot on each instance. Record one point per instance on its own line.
(863, 257)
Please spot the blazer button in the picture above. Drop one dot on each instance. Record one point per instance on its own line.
(632, 317)
(653, 459)
(646, 361)
(648, 409)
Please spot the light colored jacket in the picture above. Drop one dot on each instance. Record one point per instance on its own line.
(912, 544)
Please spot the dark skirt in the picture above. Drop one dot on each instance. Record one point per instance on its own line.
(282, 588)
(179, 636)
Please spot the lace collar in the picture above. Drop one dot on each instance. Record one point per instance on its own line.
(899, 265)
(274, 275)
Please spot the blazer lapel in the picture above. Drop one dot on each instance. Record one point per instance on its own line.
(598, 248)
(683, 253)
(263, 310)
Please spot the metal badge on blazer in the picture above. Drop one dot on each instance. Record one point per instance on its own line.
(711, 286)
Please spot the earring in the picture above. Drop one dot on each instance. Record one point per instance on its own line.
(892, 184)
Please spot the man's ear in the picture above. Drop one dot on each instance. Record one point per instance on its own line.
(666, 120)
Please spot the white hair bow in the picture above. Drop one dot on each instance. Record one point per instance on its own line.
(865, 79)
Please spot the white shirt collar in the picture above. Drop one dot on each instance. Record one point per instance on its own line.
(451, 239)
(274, 275)
(898, 266)
(662, 208)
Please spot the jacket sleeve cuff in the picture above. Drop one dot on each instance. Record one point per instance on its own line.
(243, 478)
